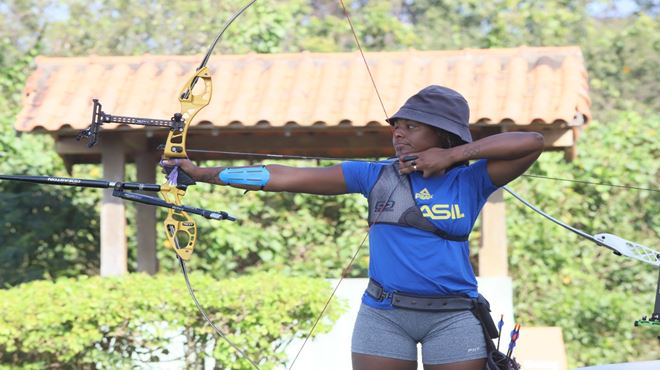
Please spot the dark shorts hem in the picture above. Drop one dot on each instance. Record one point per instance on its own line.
(456, 360)
(395, 356)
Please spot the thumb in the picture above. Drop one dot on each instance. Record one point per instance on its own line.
(169, 162)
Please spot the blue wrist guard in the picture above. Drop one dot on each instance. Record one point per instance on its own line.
(257, 176)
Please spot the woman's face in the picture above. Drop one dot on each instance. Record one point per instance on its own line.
(413, 137)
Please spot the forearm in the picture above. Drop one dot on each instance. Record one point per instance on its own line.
(208, 175)
(504, 146)
(212, 175)
(276, 178)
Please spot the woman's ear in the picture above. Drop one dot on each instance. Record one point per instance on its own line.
(444, 139)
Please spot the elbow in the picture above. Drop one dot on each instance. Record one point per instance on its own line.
(536, 141)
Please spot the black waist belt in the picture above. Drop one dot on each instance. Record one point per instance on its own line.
(421, 303)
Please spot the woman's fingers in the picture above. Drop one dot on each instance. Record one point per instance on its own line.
(409, 164)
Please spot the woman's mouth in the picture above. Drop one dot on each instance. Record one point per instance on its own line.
(399, 147)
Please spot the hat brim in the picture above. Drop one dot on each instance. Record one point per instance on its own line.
(459, 129)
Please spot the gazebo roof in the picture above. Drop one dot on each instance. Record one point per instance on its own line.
(536, 88)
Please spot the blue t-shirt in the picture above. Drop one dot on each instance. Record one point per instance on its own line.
(411, 260)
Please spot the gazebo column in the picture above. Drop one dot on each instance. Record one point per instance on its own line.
(113, 212)
(145, 163)
(493, 245)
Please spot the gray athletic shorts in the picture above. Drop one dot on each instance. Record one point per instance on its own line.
(446, 337)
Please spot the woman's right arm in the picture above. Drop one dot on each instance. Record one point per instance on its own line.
(311, 180)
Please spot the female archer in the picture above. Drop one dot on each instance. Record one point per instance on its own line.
(422, 207)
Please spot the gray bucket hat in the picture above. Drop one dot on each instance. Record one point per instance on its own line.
(440, 107)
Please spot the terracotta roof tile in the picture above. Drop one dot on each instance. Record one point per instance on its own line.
(518, 86)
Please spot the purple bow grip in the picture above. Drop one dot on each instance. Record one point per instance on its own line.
(173, 175)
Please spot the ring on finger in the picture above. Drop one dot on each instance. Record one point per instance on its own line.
(415, 167)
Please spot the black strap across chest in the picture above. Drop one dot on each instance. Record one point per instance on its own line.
(391, 201)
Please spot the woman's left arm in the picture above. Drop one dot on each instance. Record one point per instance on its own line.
(509, 155)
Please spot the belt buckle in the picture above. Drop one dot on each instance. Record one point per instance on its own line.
(384, 295)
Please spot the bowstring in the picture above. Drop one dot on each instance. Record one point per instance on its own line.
(357, 250)
(185, 95)
(357, 41)
(206, 317)
(344, 273)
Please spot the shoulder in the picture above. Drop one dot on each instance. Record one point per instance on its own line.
(360, 176)
(476, 175)
(475, 169)
(365, 166)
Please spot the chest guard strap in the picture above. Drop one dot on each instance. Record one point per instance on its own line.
(400, 208)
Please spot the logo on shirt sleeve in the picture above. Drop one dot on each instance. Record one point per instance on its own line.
(423, 195)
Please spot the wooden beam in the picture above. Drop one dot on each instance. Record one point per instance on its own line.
(332, 142)
(113, 213)
(558, 138)
(343, 142)
(493, 255)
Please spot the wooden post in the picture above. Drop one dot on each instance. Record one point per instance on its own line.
(113, 213)
(145, 164)
(493, 245)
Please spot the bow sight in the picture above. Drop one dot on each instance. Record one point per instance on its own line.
(99, 117)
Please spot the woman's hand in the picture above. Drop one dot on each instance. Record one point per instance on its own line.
(431, 162)
(185, 164)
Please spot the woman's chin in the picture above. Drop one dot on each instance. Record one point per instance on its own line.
(402, 152)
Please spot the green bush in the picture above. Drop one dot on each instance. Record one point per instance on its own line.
(95, 323)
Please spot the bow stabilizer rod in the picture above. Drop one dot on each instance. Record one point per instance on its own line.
(83, 183)
(119, 192)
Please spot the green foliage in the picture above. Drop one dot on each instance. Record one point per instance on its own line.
(563, 280)
(44, 231)
(623, 61)
(47, 232)
(92, 323)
